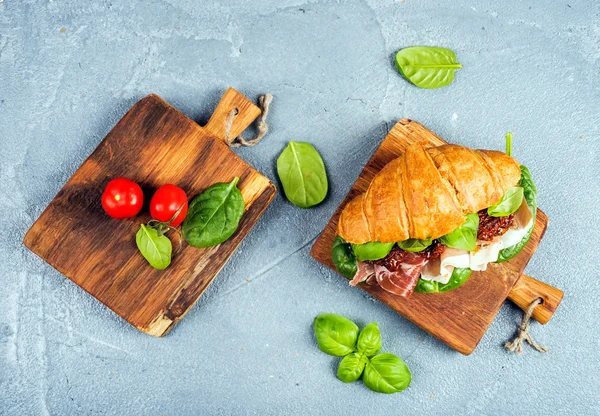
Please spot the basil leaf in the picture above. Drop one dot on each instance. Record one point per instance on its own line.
(465, 236)
(343, 257)
(351, 367)
(214, 215)
(530, 193)
(335, 334)
(426, 286)
(426, 66)
(414, 245)
(510, 202)
(302, 174)
(386, 373)
(155, 248)
(371, 251)
(458, 278)
(369, 340)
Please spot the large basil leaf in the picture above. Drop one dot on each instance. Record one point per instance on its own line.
(510, 202)
(465, 236)
(458, 278)
(426, 66)
(371, 251)
(530, 193)
(335, 334)
(386, 373)
(343, 257)
(369, 340)
(351, 367)
(302, 174)
(414, 245)
(155, 248)
(214, 215)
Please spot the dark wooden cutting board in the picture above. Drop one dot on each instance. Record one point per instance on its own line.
(459, 317)
(153, 144)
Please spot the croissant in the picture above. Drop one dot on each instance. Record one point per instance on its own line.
(426, 193)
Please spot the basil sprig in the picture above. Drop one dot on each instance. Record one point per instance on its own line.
(414, 245)
(382, 373)
(373, 250)
(510, 203)
(154, 246)
(465, 236)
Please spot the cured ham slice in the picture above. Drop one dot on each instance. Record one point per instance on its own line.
(399, 275)
(363, 272)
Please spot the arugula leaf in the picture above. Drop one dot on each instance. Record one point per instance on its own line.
(465, 236)
(335, 334)
(155, 248)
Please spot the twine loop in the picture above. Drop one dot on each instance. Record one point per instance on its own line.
(262, 128)
(516, 345)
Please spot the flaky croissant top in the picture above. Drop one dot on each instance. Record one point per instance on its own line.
(426, 193)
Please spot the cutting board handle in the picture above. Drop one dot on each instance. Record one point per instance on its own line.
(527, 289)
(244, 113)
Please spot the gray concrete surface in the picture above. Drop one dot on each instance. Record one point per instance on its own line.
(70, 69)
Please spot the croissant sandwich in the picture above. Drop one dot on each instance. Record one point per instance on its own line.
(433, 215)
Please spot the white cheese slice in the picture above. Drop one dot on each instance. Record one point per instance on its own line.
(483, 255)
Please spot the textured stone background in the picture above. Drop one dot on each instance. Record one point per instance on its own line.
(70, 69)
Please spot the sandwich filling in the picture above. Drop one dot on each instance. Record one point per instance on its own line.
(399, 271)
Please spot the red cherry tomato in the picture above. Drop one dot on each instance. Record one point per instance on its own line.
(122, 198)
(165, 203)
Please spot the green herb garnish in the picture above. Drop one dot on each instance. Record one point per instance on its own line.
(426, 66)
(214, 215)
(302, 173)
(339, 336)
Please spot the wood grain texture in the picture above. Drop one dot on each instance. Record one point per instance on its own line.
(527, 289)
(459, 317)
(153, 144)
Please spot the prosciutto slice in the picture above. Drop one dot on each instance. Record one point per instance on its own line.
(400, 277)
(363, 272)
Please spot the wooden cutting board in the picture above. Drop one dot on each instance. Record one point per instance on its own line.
(153, 144)
(459, 317)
